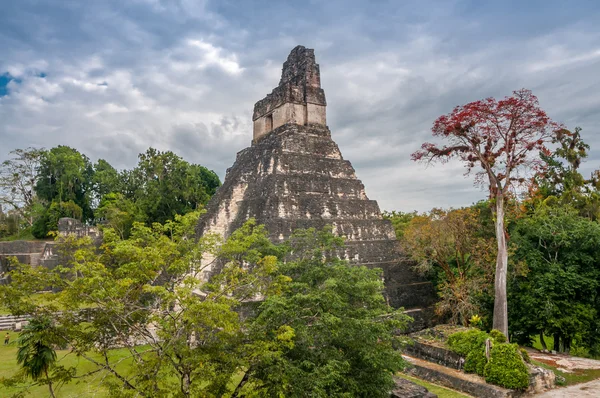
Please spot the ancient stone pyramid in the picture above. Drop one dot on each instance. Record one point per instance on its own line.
(294, 176)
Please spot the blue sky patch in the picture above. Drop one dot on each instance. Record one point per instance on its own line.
(4, 80)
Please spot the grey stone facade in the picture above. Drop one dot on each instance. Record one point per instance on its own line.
(294, 176)
(39, 252)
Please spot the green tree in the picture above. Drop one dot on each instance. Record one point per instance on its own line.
(149, 295)
(119, 213)
(163, 184)
(558, 292)
(340, 328)
(106, 179)
(36, 353)
(18, 178)
(562, 181)
(400, 220)
(66, 175)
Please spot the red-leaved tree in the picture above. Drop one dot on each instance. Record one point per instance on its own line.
(501, 140)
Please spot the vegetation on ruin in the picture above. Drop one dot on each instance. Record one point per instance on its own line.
(440, 391)
(321, 326)
(506, 364)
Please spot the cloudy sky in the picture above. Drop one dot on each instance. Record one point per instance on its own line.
(114, 77)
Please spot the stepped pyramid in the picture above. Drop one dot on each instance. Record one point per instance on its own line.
(294, 176)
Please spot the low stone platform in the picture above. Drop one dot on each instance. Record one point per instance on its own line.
(469, 383)
(435, 362)
(407, 389)
(438, 355)
(11, 322)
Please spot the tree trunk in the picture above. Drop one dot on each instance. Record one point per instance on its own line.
(500, 306)
(542, 341)
(49, 383)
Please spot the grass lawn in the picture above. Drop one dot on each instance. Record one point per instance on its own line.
(576, 350)
(90, 386)
(440, 391)
(576, 377)
(94, 385)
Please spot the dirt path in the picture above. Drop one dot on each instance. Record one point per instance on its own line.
(585, 390)
(564, 363)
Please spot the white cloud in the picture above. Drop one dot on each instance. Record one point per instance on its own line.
(212, 55)
(184, 76)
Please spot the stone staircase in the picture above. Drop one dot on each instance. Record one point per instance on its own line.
(11, 322)
(438, 365)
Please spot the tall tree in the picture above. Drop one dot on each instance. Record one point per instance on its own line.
(451, 246)
(559, 292)
(66, 175)
(18, 178)
(340, 328)
(502, 141)
(106, 179)
(562, 179)
(163, 184)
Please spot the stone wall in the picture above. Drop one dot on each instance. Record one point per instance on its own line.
(26, 252)
(434, 354)
(294, 176)
(72, 226)
(42, 253)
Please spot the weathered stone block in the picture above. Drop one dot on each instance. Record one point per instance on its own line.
(407, 389)
(298, 99)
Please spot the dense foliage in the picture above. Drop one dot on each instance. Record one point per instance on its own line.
(451, 248)
(559, 292)
(554, 269)
(321, 327)
(505, 367)
(38, 187)
(343, 328)
(471, 346)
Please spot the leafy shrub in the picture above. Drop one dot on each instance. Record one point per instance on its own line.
(498, 336)
(463, 343)
(506, 367)
(475, 361)
(524, 354)
(471, 345)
